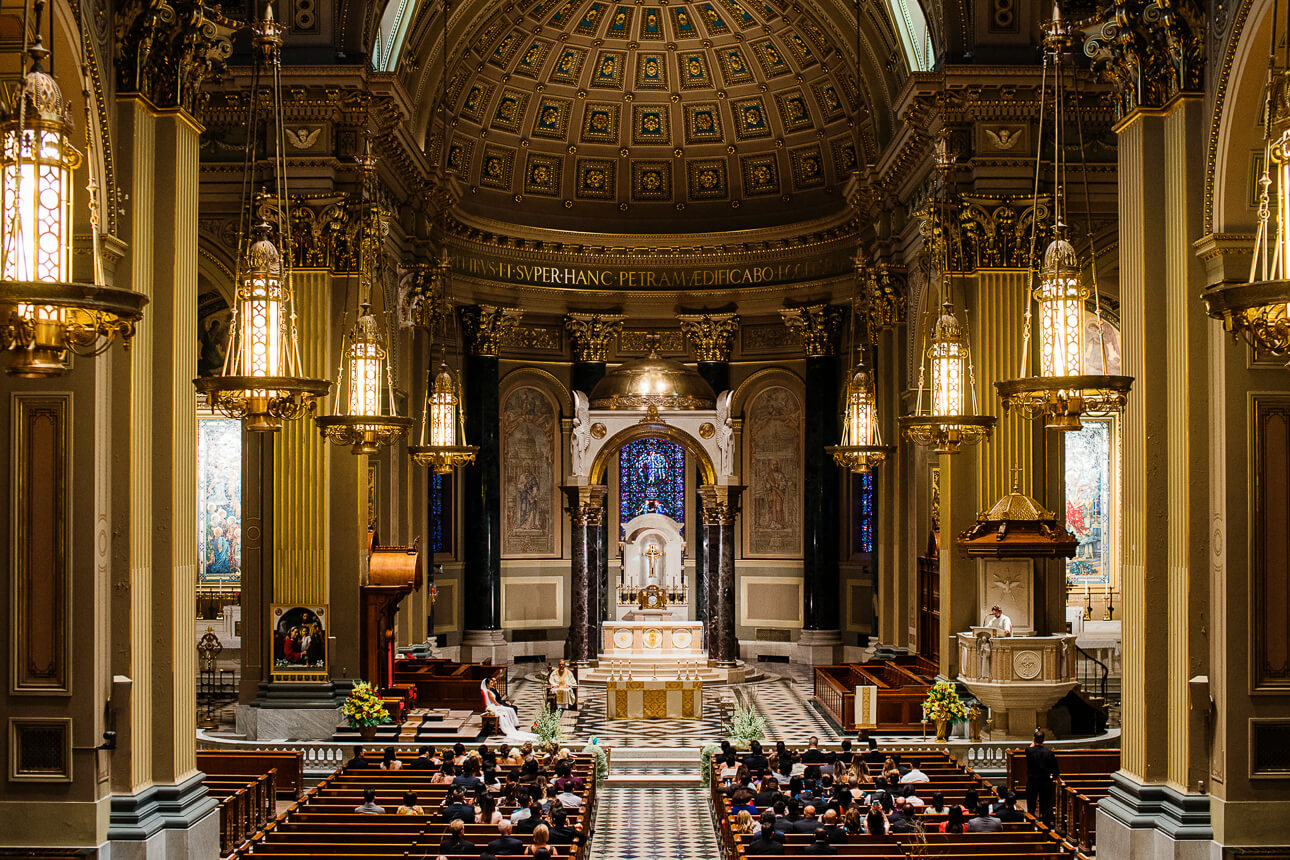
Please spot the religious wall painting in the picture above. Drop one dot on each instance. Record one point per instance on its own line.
(773, 515)
(1088, 502)
(530, 460)
(299, 634)
(213, 318)
(1101, 348)
(219, 501)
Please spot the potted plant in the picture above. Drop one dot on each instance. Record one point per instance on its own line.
(944, 707)
(547, 727)
(364, 710)
(602, 759)
(745, 727)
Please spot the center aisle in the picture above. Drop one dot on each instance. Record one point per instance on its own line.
(653, 806)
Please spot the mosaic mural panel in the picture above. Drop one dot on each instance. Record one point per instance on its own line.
(609, 70)
(507, 49)
(620, 26)
(830, 103)
(542, 174)
(693, 69)
(650, 124)
(793, 110)
(734, 67)
(761, 174)
(703, 123)
(568, 65)
(772, 60)
(552, 118)
(751, 120)
(219, 509)
(807, 163)
(476, 101)
(510, 110)
(530, 64)
(591, 19)
(1088, 502)
(600, 123)
(595, 179)
(652, 24)
(530, 436)
(651, 72)
(683, 23)
(495, 171)
(706, 179)
(712, 20)
(651, 180)
(772, 518)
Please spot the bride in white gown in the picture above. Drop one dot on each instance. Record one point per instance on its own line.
(508, 719)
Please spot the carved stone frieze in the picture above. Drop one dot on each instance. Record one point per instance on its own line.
(590, 334)
(816, 325)
(712, 335)
(167, 51)
(487, 327)
(1149, 50)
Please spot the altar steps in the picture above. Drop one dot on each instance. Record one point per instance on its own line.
(654, 767)
(423, 726)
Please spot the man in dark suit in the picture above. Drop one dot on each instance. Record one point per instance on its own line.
(453, 842)
(561, 833)
(808, 823)
(764, 843)
(505, 843)
(821, 844)
(358, 761)
(755, 761)
(813, 754)
(456, 808)
(1041, 771)
(1008, 811)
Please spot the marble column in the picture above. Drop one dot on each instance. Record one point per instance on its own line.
(817, 326)
(485, 326)
(720, 507)
(587, 513)
(713, 339)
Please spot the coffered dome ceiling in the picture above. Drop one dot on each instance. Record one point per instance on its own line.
(599, 115)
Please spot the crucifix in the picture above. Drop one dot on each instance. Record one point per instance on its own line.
(651, 559)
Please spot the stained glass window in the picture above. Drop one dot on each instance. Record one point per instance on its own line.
(867, 507)
(1088, 502)
(440, 513)
(651, 479)
(219, 497)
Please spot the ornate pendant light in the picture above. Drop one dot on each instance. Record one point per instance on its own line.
(860, 448)
(940, 420)
(1259, 309)
(442, 446)
(45, 317)
(366, 382)
(1064, 390)
(262, 382)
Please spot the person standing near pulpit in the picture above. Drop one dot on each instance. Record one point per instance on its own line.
(998, 620)
(563, 685)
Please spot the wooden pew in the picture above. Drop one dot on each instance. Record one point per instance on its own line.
(446, 684)
(902, 684)
(289, 764)
(1071, 762)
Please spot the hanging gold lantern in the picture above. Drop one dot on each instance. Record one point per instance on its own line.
(263, 383)
(861, 448)
(45, 318)
(944, 425)
(443, 443)
(1063, 390)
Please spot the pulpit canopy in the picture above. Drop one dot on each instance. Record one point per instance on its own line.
(1017, 527)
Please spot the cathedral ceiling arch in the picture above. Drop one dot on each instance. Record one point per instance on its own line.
(600, 115)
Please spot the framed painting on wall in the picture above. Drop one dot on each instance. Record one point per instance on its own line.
(299, 642)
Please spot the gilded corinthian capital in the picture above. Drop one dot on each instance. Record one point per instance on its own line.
(167, 51)
(590, 334)
(586, 504)
(713, 335)
(487, 326)
(816, 325)
(720, 505)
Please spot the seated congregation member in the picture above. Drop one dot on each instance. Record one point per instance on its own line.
(914, 774)
(938, 802)
(486, 808)
(785, 820)
(970, 801)
(755, 761)
(454, 842)
(954, 822)
(530, 822)
(808, 822)
(561, 832)
(813, 753)
(821, 844)
(875, 823)
(368, 806)
(425, 761)
(764, 843)
(729, 769)
(744, 823)
(541, 843)
(1008, 811)
(359, 761)
(391, 760)
(409, 806)
(983, 821)
(834, 831)
(564, 778)
(505, 843)
(906, 822)
(469, 779)
(455, 807)
(569, 800)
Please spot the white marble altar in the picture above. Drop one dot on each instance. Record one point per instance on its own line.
(657, 648)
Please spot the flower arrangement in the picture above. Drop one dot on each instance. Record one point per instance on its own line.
(705, 761)
(943, 703)
(364, 707)
(745, 727)
(602, 759)
(547, 727)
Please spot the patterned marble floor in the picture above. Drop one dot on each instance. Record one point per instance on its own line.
(664, 823)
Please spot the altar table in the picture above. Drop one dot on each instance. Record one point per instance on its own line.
(653, 700)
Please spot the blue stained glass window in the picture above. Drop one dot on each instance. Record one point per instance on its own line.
(651, 479)
(866, 512)
(440, 513)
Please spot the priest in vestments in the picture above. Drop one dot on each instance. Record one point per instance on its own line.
(563, 686)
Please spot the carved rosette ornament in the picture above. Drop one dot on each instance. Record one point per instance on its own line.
(720, 505)
(816, 325)
(167, 51)
(488, 326)
(712, 335)
(591, 333)
(1149, 50)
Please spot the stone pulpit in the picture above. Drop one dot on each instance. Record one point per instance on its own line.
(1019, 678)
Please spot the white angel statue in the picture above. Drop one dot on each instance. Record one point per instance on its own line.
(580, 441)
(725, 433)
